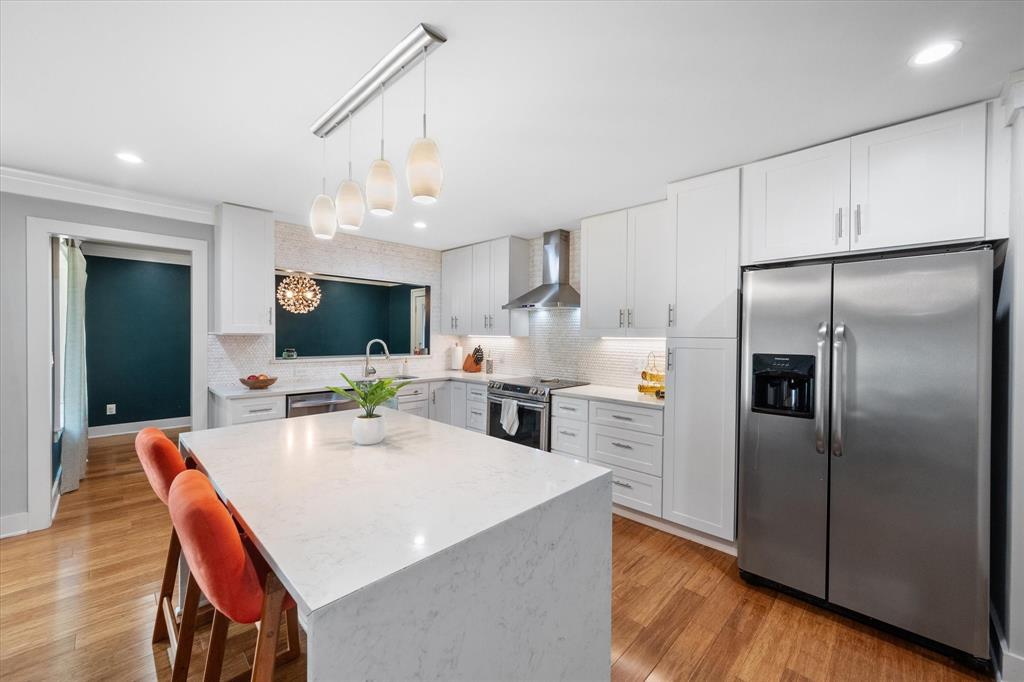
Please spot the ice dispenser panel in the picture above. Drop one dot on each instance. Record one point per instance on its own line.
(784, 384)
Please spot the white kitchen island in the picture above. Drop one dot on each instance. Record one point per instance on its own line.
(439, 553)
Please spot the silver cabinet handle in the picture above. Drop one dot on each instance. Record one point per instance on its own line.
(838, 386)
(668, 360)
(819, 392)
(622, 445)
(671, 322)
(857, 220)
(567, 433)
(261, 410)
(839, 224)
(622, 484)
(479, 414)
(622, 417)
(622, 314)
(270, 312)
(433, 397)
(456, 321)
(567, 407)
(629, 317)
(485, 321)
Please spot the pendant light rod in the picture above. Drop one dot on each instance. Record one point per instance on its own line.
(412, 48)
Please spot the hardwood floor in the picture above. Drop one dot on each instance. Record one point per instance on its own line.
(77, 602)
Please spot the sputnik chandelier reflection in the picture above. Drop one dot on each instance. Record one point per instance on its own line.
(298, 294)
(423, 171)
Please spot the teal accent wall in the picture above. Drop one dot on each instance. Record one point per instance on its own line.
(137, 339)
(349, 315)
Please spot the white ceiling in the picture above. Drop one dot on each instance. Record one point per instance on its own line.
(544, 112)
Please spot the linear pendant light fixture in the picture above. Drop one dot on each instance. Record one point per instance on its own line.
(423, 168)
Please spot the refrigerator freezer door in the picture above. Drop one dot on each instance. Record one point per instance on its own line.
(783, 448)
(909, 524)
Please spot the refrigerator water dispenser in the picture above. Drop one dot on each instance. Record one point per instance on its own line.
(784, 385)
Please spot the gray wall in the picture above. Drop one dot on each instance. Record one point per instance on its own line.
(14, 209)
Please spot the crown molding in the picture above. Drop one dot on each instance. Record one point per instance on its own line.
(43, 186)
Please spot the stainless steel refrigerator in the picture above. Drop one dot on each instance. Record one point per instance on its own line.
(864, 451)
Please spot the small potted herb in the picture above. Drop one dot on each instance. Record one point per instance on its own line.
(368, 428)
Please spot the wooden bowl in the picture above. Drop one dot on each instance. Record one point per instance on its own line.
(259, 383)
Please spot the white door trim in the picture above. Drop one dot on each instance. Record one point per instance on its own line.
(38, 232)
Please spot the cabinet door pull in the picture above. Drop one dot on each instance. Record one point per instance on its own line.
(670, 320)
(668, 360)
(270, 311)
(479, 414)
(261, 410)
(622, 314)
(566, 433)
(567, 407)
(624, 446)
(622, 484)
(629, 317)
(622, 417)
(857, 219)
(839, 224)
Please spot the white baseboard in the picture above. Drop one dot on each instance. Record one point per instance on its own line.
(669, 527)
(135, 427)
(13, 524)
(1009, 667)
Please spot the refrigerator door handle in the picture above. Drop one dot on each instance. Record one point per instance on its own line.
(819, 393)
(838, 387)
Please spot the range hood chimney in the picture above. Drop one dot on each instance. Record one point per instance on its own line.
(555, 292)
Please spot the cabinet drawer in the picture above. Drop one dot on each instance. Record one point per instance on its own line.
(257, 409)
(476, 392)
(628, 449)
(569, 437)
(623, 416)
(476, 416)
(636, 491)
(570, 408)
(418, 407)
(412, 392)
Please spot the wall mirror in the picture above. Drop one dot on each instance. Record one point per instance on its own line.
(333, 316)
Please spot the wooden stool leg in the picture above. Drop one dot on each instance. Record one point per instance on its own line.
(270, 621)
(292, 623)
(166, 587)
(215, 653)
(186, 632)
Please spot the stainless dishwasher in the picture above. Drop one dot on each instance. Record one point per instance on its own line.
(304, 404)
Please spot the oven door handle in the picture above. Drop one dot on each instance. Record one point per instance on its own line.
(535, 407)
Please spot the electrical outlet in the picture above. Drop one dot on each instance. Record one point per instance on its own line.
(111, 408)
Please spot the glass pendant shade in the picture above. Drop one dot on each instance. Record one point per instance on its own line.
(381, 188)
(350, 206)
(423, 171)
(321, 217)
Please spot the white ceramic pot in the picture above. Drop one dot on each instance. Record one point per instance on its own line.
(368, 430)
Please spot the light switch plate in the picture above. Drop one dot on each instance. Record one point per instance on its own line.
(112, 408)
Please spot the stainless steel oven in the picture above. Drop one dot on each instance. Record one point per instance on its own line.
(534, 422)
(533, 398)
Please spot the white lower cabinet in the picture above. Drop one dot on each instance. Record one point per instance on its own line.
(476, 416)
(246, 410)
(439, 397)
(458, 404)
(420, 408)
(619, 447)
(569, 437)
(700, 436)
(413, 400)
(636, 491)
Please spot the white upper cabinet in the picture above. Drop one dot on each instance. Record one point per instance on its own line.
(604, 274)
(699, 471)
(652, 266)
(243, 271)
(477, 280)
(920, 182)
(456, 290)
(706, 259)
(798, 204)
(627, 273)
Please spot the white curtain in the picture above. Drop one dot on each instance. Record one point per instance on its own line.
(75, 445)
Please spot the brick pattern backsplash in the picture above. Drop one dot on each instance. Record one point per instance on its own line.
(554, 347)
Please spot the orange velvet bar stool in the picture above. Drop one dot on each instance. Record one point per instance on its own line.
(162, 463)
(240, 587)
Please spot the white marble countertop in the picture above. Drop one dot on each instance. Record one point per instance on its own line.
(238, 390)
(613, 394)
(333, 517)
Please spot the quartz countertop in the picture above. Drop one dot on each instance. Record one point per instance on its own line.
(333, 517)
(612, 394)
(282, 387)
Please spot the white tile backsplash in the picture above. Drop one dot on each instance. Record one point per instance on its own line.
(554, 347)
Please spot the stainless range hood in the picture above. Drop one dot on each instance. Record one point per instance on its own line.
(555, 292)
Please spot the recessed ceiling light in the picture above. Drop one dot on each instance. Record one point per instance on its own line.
(128, 157)
(420, 224)
(936, 52)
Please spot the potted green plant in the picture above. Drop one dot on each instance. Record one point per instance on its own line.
(368, 427)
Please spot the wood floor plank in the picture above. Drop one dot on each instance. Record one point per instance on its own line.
(77, 602)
